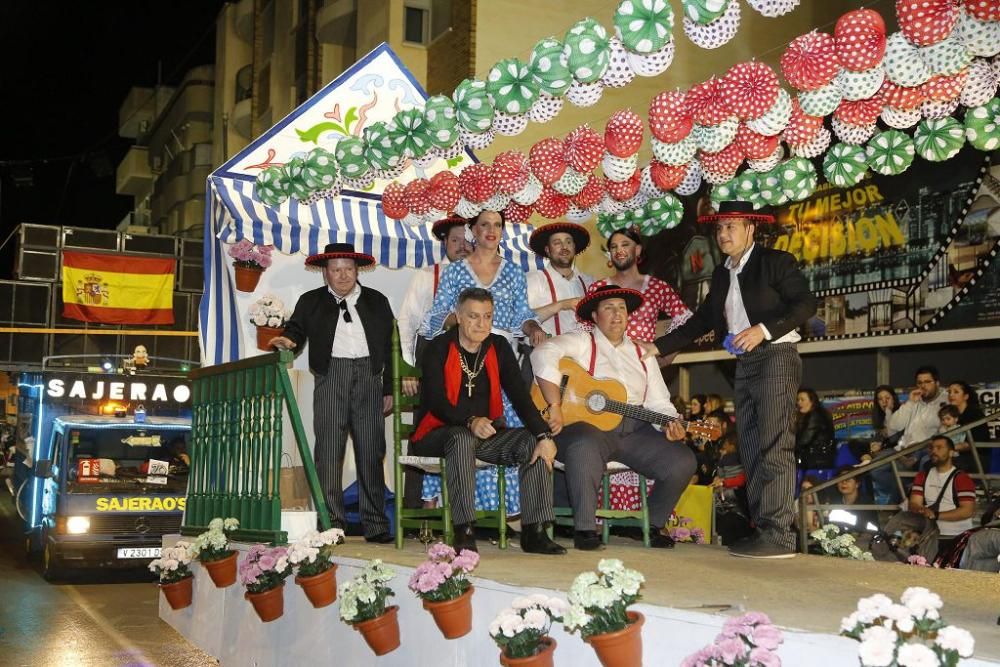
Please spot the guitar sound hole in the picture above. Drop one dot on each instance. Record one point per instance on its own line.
(596, 402)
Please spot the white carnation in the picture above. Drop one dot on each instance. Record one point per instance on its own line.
(873, 607)
(536, 618)
(916, 655)
(951, 638)
(922, 602)
(901, 618)
(260, 319)
(878, 646)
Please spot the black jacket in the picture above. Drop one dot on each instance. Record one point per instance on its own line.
(814, 445)
(315, 321)
(774, 292)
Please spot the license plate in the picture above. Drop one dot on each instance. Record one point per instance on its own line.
(139, 552)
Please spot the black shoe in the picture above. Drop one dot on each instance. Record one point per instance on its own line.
(465, 537)
(587, 540)
(381, 538)
(744, 542)
(534, 540)
(760, 548)
(660, 541)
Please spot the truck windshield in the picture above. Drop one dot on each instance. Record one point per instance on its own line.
(127, 460)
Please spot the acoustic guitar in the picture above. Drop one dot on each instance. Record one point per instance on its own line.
(603, 403)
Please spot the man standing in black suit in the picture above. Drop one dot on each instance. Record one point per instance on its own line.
(757, 315)
(349, 331)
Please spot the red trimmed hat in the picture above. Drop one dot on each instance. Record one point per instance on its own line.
(540, 237)
(733, 210)
(586, 306)
(441, 227)
(340, 251)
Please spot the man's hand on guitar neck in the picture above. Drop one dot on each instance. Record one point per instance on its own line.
(674, 431)
(554, 418)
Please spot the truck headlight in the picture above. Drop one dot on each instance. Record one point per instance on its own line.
(77, 525)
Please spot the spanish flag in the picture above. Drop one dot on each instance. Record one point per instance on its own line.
(118, 289)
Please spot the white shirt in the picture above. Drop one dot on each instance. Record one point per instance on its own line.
(643, 384)
(932, 489)
(540, 295)
(736, 312)
(918, 420)
(349, 342)
(417, 303)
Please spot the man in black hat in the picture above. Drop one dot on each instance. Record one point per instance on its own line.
(608, 353)
(349, 331)
(756, 301)
(554, 291)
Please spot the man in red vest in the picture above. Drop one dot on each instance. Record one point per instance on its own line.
(464, 372)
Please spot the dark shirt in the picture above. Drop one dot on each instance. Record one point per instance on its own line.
(814, 447)
(434, 398)
(974, 413)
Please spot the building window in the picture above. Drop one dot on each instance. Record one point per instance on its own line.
(417, 26)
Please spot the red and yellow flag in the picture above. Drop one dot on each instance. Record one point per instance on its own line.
(118, 289)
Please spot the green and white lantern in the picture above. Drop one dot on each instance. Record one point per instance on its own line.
(939, 139)
(890, 153)
(644, 26)
(586, 50)
(511, 86)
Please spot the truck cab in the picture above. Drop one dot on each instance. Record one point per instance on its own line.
(111, 488)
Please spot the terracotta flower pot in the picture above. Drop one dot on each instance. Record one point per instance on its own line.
(453, 617)
(622, 648)
(222, 571)
(543, 658)
(270, 604)
(382, 633)
(321, 589)
(265, 334)
(246, 277)
(179, 593)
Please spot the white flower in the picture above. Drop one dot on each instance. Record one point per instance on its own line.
(522, 603)
(556, 606)
(916, 655)
(511, 625)
(281, 565)
(848, 624)
(536, 618)
(901, 618)
(576, 617)
(878, 645)
(951, 638)
(215, 524)
(260, 319)
(610, 566)
(494, 627)
(873, 607)
(582, 582)
(231, 523)
(922, 602)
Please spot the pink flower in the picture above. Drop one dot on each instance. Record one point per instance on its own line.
(764, 658)
(698, 534)
(756, 618)
(731, 650)
(767, 636)
(680, 534)
(440, 551)
(466, 561)
(267, 562)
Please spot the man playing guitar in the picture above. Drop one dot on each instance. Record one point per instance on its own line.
(582, 447)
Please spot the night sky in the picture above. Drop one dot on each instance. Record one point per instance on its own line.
(66, 68)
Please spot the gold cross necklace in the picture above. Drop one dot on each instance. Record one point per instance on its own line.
(472, 374)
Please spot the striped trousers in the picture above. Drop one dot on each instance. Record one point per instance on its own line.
(348, 401)
(767, 381)
(509, 447)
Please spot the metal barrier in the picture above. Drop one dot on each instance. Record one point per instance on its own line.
(806, 506)
(238, 410)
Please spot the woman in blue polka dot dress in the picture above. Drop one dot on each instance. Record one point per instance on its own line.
(511, 317)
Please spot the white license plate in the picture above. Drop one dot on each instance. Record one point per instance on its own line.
(139, 552)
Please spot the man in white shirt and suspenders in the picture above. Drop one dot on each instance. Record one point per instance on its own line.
(554, 291)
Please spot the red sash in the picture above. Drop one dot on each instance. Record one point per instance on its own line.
(453, 376)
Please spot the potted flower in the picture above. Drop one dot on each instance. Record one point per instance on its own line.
(263, 573)
(315, 570)
(749, 640)
(251, 260)
(598, 608)
(834, 542)
(175, 576)
(363, 606)
(213, 552)
(909, 633)
(269, 315)
(442, 583)
(522, 630)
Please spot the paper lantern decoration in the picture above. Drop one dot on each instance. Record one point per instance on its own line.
(900, 119)
(584, 95)
(623, 133)
(451, 152)
(546, 160)
(585, 50)
(619, 73)
(753, 145)
(724, 191)
(860, 40)
(529, 194)
(511, 86)
(570, 183)
(591, 194)
(547, 68)
(979, 37)
(926, 22)
(747, 189)
(726, 161)
(938, 108)
(644, 26)
(472, 106)
(850, 133)
(776, 119)
(798, 178)
(497, 202)
(945, 88)
(626, 188)
(415, 196)
(845, 165)
(361, 183)
(713, 139)
(718, 32)
(476, 141)
(545, 108)
(692, 180)
(939, 139)
(810, 61)
(476, 183)
(394, 201)
(350, 154)
(664, 212)
(901, 98)
(705, 104)
(444, 191)
(903, 64)
(652, 64)
(769, 187)
(815, 147)
(675, 154)
(647, 186)
(669, 116)
(666, 176)
(773, 8)
(619, 169)
(319, 169)
(984, 10)
(860, 112)
(822, 101)
(515, 213)
(510, 171)
(550, 204)
(982, 126)
(860, 85)
(509, 125)
(949, 56)
(378, 147)
(271, 186)
(703, 12)
(768, 163)
(890, 153)
(980, 84)
(408, 133)
(583, 149)
(802, 127)
(749, 89)
(577, 214)
(441, 121)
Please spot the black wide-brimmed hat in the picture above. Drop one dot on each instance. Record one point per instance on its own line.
(442, 227)
(540, 237)
(340, 251)
(737, 210)
(585, 308)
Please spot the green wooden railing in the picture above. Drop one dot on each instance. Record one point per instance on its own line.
(238, 411)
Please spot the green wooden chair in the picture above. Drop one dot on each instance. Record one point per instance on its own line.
(608, 516)
(437, 518)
